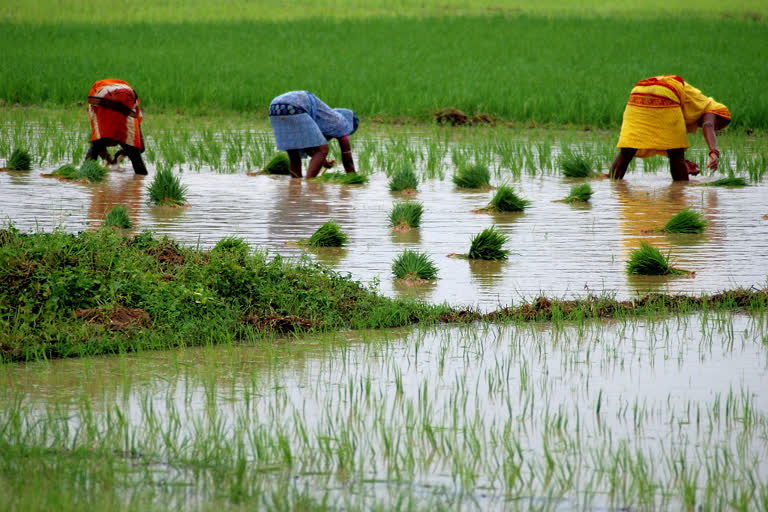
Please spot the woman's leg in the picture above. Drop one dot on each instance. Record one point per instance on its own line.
(317, 160)
(295, 157)
(677, 165)
(135, 155)
(620, 164)
(97, 149)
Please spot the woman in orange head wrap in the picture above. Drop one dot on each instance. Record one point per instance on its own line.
(661, 111)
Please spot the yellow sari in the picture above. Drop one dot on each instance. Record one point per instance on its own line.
(661, 111)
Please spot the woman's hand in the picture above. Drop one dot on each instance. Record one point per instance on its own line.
(714, 159)
(329, 163)
(693, 168)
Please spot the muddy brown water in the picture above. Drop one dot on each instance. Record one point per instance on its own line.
(557, 249)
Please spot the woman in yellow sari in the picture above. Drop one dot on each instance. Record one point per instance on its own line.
(661, 111)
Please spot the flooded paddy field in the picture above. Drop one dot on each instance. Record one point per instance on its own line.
(664, 413)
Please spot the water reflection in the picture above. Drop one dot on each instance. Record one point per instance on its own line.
(118, 189)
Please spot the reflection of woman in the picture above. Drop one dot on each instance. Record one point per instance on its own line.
(108, 195)
(303, 123)
(660, 112)
(113, 108)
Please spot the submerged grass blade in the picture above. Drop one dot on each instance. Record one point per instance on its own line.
(686, 221)
(413, 265)
(487, 245)
(328, 235)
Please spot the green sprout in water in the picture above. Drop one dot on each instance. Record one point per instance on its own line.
(413, 265)
(473, 176)
(280, 164)
(505, 200)
(118, 217)
(328, 235)
(648, 261)
(575, 165)
(90, 170)
(687, 221)
(403, 178)
(406, 215)
(343, 178)
(487, 245)
(730, 181)
(579, 193)
(166, 189)
(19, 160)
(67, 172)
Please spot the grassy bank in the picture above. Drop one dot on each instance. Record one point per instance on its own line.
(64, 295)
(515, 68)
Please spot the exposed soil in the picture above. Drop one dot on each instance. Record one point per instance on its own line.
(118, 319)
(456, 117)
(279, 324)
(168, 253)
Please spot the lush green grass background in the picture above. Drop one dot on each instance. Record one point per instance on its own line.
(545, 70)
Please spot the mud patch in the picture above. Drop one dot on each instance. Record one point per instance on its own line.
(118, 319)
(456, 117)
(279, 324)
(168, 253)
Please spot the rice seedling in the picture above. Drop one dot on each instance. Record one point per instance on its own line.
(91, 170)
(472, 176)
(686, 221)
(279, 164)
(506, 200)
(67, 172)
(729, 181)
(414, 265)
(166, 189)
(403, 178)
(328, 235)
(575, 165)
(342, 178)
(579, 193)
(487, 245)
(406, 215)
(648, 261)
(19, 160)
(118, 217)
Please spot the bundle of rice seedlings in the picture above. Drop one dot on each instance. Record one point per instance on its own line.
(280, 164)
(414, 265)
(730, 181)
(579, 193)
(406, 215)
(687, 221)
(473, 176)
(19, 160)
(91, 171)
(575, 166)
(648, 261)
(328, 235)
(166, 189)
(67, 172)
(403, 178)
(505, 200)
(488, 245)
(118, 217)
(343, 178)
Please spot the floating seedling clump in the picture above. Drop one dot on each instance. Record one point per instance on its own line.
(406, 215)
(328, 235)
(90, 171)
(472, 176)
(579, 193)
(166, 189)
(403, 178)
(343, 178)
(413, 265)
(575, 165)
(118, 217)
(687, 221)
(280, 164)
(488, 245)
(506, 200)
(19, 160)
(730, 181)
(648, 261)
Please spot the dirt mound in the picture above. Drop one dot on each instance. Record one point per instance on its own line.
(279, 324)
(168, 253)
(456, 117)
(115, 319)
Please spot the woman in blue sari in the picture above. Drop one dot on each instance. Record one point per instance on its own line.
(303, 124)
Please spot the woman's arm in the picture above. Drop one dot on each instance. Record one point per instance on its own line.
(708, 129)
(346, 154)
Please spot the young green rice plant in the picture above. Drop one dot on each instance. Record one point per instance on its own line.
(579, 193)
(166, 189)
(730, 181)
(19, 160)
(648, 261)
(686, 221)
(472, 176)
(280, 164)
(487, 245)
(506, 200)
(67, 172)
(343, 178)
(118, 217)
(91, 171)
(328, 235)
(403, 178)
(414, 265)
(406, 215)
(575, 165)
